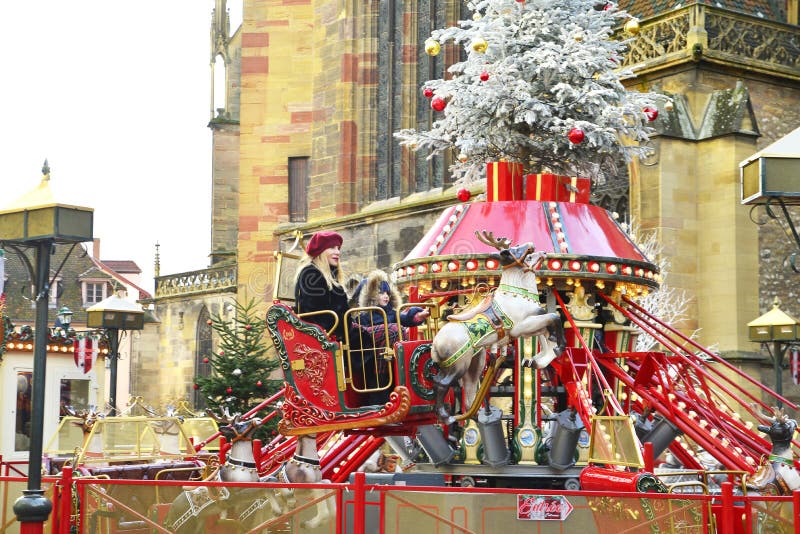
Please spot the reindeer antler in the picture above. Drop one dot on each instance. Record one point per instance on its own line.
(500, 243)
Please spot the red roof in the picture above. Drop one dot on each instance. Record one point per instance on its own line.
(123, 266)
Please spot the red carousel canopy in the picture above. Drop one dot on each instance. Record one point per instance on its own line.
(582, 242)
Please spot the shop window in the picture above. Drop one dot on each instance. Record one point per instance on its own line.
(75, 393)
(22, 424)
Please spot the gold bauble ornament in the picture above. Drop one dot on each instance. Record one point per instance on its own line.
(578, 37)
(479, 45)
(632, 26)
(669, 106)
(432, 47)
(462, 158)
(477, 16)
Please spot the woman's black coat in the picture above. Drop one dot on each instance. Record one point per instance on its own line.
(312, 294)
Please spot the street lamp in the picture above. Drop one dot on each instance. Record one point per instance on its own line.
(780, 329)
(64, 317)
(36, 221)
(114, 314)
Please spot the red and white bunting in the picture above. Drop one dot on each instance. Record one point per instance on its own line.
(86, 350)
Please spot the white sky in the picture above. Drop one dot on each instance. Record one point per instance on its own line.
(115, 94)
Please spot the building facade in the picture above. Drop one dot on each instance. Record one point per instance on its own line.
(316, 89)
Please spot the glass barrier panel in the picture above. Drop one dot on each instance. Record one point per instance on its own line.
(407, 511)
(774, 517)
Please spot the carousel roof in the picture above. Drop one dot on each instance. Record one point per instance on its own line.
(582, 241)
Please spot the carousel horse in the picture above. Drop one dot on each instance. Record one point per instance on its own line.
(510, 312)
(303, 468)
(777, 474)
(247, 506)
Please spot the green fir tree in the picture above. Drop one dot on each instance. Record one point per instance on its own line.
(242, 368)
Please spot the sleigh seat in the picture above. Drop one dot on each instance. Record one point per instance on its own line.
(316, 383)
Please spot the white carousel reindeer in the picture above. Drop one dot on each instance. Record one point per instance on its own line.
(88, 417)
(777, 473)
(511, 312)
(248, 506)
(304, 468)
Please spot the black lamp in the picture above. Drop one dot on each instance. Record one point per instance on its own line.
(37, 222)
(114, 315)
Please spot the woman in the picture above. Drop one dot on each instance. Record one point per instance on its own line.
(319, 282)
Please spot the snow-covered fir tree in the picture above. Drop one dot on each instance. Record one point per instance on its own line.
(541, 85)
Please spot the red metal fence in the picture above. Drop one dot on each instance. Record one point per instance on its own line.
(85, 505)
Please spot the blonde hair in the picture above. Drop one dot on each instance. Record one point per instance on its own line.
(321, 263)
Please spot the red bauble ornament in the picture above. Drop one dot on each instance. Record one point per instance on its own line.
(438, 103)
(259, 384)
(209, 323)
(427, 92)
(463, 194)
(195, 386)
(205, 360)
(222, 353)
(484, 76)
(606, 7)
(248, 327)
(229, 390)
(576, 136)
(651, 113)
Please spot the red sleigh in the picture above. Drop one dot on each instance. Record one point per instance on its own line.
(322, 390)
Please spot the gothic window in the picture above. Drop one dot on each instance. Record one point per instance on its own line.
(202, 351)
(298, 185)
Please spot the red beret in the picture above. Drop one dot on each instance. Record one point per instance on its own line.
(321, 241)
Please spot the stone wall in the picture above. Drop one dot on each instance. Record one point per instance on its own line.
(166, 373)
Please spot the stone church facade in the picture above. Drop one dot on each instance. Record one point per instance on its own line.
(315, 89)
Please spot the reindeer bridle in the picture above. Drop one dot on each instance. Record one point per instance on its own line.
(503, 243)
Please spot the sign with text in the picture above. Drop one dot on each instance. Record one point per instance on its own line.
(543, 507)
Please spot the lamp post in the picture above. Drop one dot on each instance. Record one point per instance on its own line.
(37, 222)
(114, 315)
(780, 329)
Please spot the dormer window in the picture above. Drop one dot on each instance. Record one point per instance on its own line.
(94, 291)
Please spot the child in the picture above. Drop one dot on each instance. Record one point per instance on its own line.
(376, 290)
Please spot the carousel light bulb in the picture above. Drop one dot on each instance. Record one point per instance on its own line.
(682, 405)
(725, 442)
(714, 432)
(549, 282)
(626, 368)
(736, 415)
(703, 423)
(692, 414)
(634, 397)
(600, 284)
(671, 396)
(750, 460)
(443, 284)
(452, 219)
(748, 425)
(569, 281)
(623, 395)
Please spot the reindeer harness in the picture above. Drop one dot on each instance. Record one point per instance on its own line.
(492, 320)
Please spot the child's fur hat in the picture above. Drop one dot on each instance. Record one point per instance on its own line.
(376, 282)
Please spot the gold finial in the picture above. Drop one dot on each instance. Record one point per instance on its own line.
(157, 269)
(776, 302)
(46, 171)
